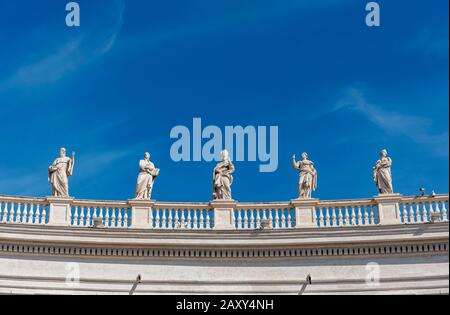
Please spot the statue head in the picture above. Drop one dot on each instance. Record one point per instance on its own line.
(225, 155)
(147, 156)
(62, 152)
(383, 153)
(304, 155)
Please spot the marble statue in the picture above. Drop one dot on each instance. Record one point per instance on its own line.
(223, 178)
(146, 178)
(308, 176)
(382, 174)
(59, 172)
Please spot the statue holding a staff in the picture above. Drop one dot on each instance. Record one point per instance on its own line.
(307, 182)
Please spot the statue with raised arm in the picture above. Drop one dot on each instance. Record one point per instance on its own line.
(382, 174)
(308, 176)
(223, 178)
(59, 172)
(146, 178)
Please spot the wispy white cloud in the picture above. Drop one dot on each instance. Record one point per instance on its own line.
(416, 128)
(52, 66)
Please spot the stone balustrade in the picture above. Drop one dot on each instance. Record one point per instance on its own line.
(20, 210)
(224, 215)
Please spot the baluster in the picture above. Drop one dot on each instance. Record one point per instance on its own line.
(293, 218)
(87, 210)
(417, 215)
(107, 217)
(421, 213)
(202, 219)
(250, 217)
(351, 214)
(444, 211)
(322, 218)
(28, 210)
(333, 216)
(115, 217)
(346, 216)
(80, 214)
(190, 218)
(38, 214)
(366, 215)
(289, 223)
(404, 213)
(182, 219)
(328, 217)
(94, 214)
(171, 219)
(258, 217)
(245, 219)
(372, 215)
(163, 219)
(44, 214)
(19, 211)
(283, 218)
(126, 218)
(340, 217)
(277, 219)
(7, 211)
(74, 218)
(33, 214)
(196, 220)
(435, 209)
(157, 218)
(358, 219)
(239, 219)
(102, 215)
(269, 218)
(421, 216)
(208, 219)
(3, 208)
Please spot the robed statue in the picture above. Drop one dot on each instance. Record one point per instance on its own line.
(382, 174)
(59, 172)
(307, 182)
(146, 179)
(223, 178)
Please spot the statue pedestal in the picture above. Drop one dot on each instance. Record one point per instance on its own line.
(389, 208)
(305, 210)
(60, 211)
(224, 214)
(141, 213)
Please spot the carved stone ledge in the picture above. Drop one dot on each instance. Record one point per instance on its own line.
(425, 248)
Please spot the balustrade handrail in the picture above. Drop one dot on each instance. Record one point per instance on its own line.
(436, 198)
(347, 202)
(183, 205)
(239, 205)
(23, 199)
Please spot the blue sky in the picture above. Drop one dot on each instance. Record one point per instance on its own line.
(114, 88)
